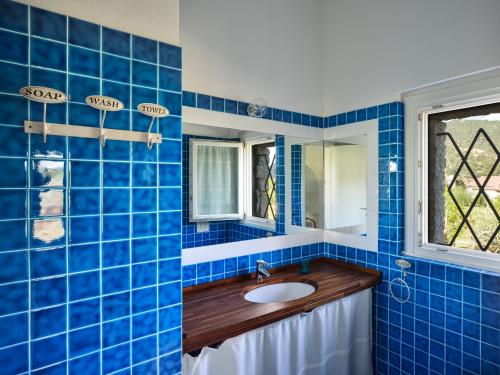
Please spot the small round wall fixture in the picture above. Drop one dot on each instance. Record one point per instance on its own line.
(154, 111)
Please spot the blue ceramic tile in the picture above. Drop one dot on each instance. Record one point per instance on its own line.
(118, 91)
(169, 341)
(10, 210)
(116, 150)
(83, 285)
(170, 270)
(115, 253)
(203, 101)
(144, 274)
(143, 299)
(144, 49)
(115, 306)
(115, 42)
(48, 24)
(170, 199)
(84, 174)
(116, 201)
(48, 351)
(119, 120)
(14, 109)
(171, 127)
(116, 174)
(83, 257)
(115, 68)
(89, 364)
(170, 151)
(13, 47)
(14, 298)
(13, 77)
(81, 87)
(116, 358)
(84, 61)
(170, 79)
(49, 262)
(17, 239)
(84, 341)
(383, 110)
(84, 33)
(12, 336)
(83, 115)
(189, 98)
(170, 222)
(142, 95)
(170, 55)
(115, 280)
(144, 324)
(48, 54)
(116, 332)
(48, 322)
(144, 225)
(144, 349)
(351, 117)
(84, 229)
(116, 227)
(48, 292)
(144, 174)
(217, 104)
(84, 202)
(171, 364)
(490, 282)
(13, 16)
(169, 246)
(172, 101)
(231, 106)
(144, 200)
(144, 74)
(170, 317)
(169, 294)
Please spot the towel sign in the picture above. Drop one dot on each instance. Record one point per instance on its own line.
(104, 103)
(153, 110)
(43, 94)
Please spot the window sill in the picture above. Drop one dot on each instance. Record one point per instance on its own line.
(489, 262)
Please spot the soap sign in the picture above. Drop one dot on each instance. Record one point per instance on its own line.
(43, 94)
(104, 103)
(153, 110)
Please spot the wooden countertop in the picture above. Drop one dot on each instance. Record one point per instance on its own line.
(216, 311)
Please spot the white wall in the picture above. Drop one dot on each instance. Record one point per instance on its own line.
(246, 49)
(154, 19)
(372, 50)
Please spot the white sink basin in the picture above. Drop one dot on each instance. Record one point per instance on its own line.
(279, 292)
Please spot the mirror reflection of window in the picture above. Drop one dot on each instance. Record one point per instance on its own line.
(346, 167)
(264, 181)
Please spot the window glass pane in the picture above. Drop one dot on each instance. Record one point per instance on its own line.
(263, 181)
(217, 180)
(464, 178)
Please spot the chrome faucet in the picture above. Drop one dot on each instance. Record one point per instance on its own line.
(261, 270)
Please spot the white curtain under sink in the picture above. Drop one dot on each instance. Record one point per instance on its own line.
(332, 339)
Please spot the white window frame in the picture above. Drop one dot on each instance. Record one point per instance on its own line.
(248, 184)
(472, 90)
(193, 173)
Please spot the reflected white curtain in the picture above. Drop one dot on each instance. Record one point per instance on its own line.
(217, 180)
(332, 339)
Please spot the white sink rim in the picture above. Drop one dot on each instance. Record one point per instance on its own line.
(280, 292)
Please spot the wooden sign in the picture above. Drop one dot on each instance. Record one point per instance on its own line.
(153, 110)
(104, 103)
(43, 94)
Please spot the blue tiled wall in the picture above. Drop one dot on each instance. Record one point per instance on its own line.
(90, 249)
(296, 184)
(280, 184)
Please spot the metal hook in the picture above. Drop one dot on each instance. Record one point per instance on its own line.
(102, 135)
(150, 138)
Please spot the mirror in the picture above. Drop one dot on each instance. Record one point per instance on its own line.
(351, 183)
(305, 187)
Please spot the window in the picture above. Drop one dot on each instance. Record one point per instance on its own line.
(215, 180)
(463, 178)
(452, 171)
